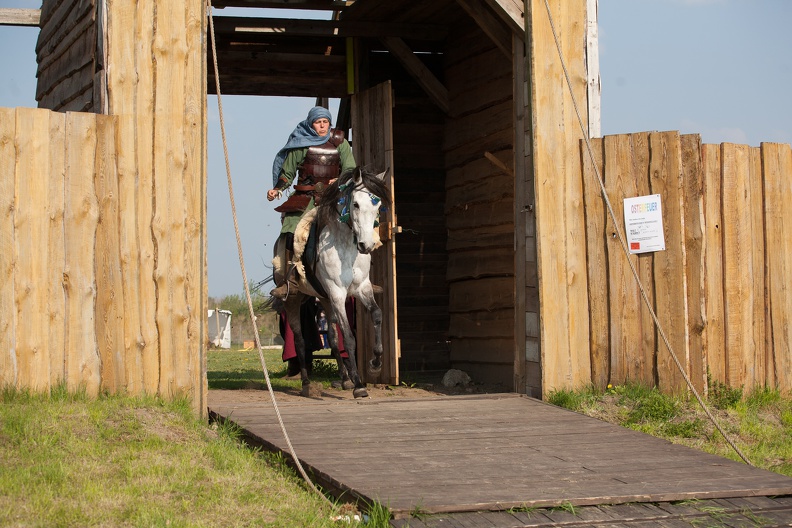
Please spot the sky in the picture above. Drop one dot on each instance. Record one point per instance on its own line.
(718, 68)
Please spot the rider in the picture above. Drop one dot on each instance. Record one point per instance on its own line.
(316, 154)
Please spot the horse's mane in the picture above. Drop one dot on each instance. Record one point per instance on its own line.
(327, 208)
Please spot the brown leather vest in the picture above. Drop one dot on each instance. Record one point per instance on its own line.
(321, 164)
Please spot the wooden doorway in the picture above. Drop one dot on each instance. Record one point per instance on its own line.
(372, 143)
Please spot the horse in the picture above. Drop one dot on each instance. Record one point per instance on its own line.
(345, 229)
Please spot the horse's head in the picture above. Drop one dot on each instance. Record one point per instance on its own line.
(359, 197)
(365, 203)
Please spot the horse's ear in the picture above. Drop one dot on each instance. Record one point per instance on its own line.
(381, 175)
(357, 176)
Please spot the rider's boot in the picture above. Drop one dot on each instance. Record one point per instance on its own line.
(289, 286)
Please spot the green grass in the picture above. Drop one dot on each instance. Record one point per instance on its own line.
(70, 460)
(758, 422)
(236, 368)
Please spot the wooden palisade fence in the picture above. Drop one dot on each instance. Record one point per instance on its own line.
(720, 289)
(97, 289)
(103, 204)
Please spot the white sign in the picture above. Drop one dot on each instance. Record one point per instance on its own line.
(643, 221)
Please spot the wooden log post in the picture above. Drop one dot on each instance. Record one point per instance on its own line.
(83, 364)
(777, 169)
(560, 224)
(110, 290)
(8, 353)
(596, 243)
(693, 212)
(714, 331)
(56, 302)
(741, 239)
(631, 326)
(669, 266)
(31, 226)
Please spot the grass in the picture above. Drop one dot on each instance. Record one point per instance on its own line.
(758, 422)
(241, 369)
(71, 460)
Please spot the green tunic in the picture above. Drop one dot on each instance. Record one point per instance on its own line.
(293, 160)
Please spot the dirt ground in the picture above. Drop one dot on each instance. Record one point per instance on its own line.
(422, 390)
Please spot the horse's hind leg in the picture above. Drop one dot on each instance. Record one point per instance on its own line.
(292, 307)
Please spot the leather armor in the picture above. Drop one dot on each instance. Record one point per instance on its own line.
(321, 164)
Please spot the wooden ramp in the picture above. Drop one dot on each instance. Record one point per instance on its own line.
(489, 452)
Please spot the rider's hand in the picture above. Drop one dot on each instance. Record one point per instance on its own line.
(272, 194)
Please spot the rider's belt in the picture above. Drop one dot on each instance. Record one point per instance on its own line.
(296, 203)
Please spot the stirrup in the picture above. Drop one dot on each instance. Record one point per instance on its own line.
(281, 292)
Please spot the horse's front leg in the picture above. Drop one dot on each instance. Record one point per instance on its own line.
(350, 344)
(335, 349)
(292, 307)
(367, 298)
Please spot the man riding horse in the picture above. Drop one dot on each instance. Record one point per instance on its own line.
(316, 154)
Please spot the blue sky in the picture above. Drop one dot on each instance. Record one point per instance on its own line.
(719, 68)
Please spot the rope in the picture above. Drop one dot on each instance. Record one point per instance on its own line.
(242, 267)
(645, 297)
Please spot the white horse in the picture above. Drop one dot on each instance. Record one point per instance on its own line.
(345, 230)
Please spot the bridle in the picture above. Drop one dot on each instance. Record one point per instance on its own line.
(345, 212)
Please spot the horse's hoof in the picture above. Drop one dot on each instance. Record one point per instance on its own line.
(360, 392)
(373, 368)
(347, 384)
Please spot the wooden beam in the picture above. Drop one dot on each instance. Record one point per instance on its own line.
(433, 87)
(489, 24)
(19, 17)
(512, 12)
(498, 163)
(263, 85)
(593, 69)
(327, 28)
(314, 5)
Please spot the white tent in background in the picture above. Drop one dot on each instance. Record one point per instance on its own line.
(220, 328)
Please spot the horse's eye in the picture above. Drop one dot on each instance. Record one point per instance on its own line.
(356, 205)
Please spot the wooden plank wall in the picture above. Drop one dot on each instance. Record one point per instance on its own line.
(51, 318)
(68, 58)
(66, 277)
(133, 182)
(719, 289)
(480, 205)
(157, 88)
(553, 159)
